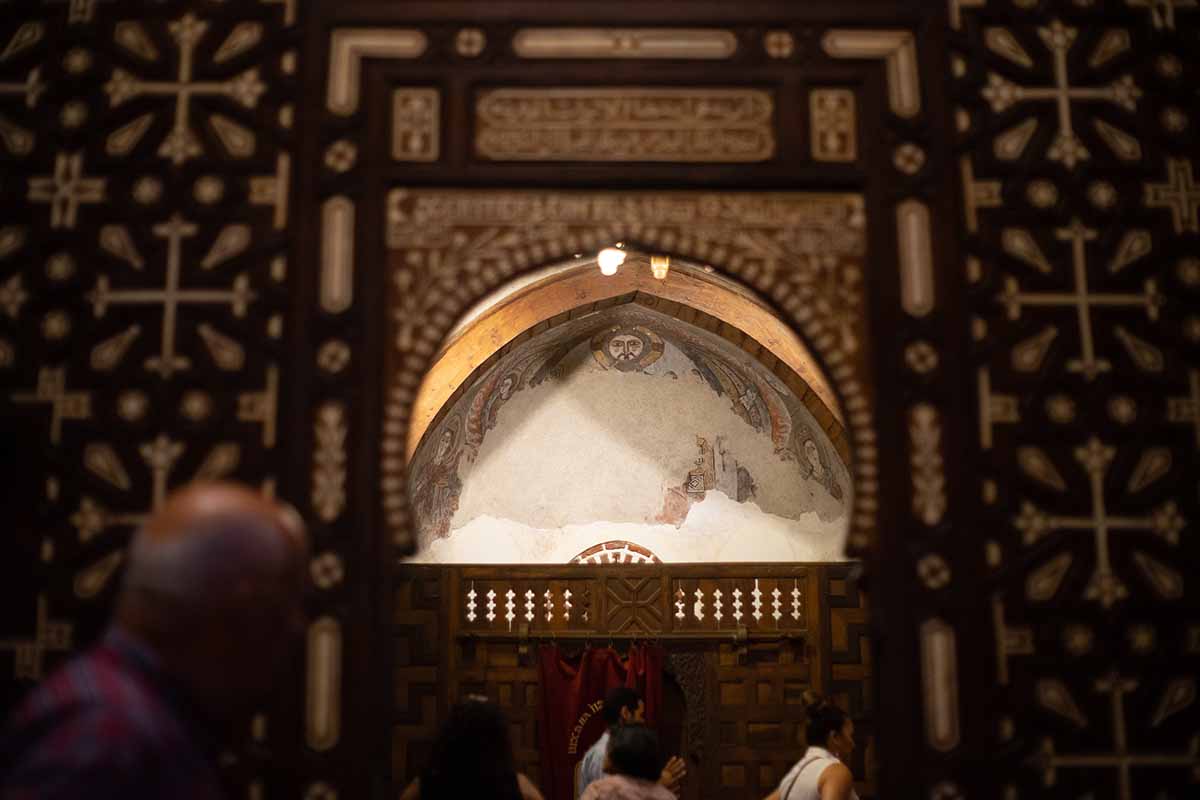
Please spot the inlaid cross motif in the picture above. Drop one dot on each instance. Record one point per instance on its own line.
(66, 189)
(1089, 364)
(32, 88)
(160, 456)
(1187, 409)
(1180, 194)
(956, 10)
(994, 408)
(1116, 687)
(1162, 12)
(13, 296)
(1104, 586)
(272, 190)
(182, 143)
(171, 296)
(1010, 640)
(262, 407)
(50, 635)
(977, 194)
(1002, 94)
(64, 405)
(79, 11)
(289, 10)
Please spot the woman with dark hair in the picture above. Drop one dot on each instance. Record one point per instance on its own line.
(472, 758)
(633, 766)
(821, 774)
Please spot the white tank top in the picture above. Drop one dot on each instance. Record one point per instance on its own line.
(801, 781)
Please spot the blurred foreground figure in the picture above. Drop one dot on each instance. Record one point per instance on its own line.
(211, 602)
(472, 759)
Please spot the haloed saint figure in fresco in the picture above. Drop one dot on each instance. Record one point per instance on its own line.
(815, 464)
(435, 496)
(814, 458)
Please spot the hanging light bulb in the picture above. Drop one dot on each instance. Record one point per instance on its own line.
(609, 259)
(660, 266)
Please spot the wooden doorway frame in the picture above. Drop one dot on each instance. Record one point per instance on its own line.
(931, 653)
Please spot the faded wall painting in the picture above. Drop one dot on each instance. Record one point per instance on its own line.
(628, 435)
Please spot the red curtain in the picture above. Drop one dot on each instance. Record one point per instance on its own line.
(573, 691)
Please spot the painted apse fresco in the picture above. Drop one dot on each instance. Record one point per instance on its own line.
(628, 435)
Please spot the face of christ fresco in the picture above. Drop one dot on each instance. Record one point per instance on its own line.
(625, 347)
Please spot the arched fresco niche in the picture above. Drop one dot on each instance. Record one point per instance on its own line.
(633, 435)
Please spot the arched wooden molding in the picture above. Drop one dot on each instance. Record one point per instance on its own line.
(575, 288)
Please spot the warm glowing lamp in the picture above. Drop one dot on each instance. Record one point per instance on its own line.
(660, 266)
(609, 259)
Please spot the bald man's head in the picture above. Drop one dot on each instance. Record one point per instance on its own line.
(210, 540)
(213, 583)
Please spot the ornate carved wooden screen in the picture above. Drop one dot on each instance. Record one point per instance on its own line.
(205, 191)
(743, 643)
(704, 138)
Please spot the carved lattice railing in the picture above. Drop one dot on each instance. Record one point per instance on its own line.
(659, 601)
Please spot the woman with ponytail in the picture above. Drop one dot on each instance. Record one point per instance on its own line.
(472, 759)
(822, 773)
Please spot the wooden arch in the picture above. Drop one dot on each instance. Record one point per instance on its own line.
(558, 293)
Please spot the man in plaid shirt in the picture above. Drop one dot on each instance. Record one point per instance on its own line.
(210, 603)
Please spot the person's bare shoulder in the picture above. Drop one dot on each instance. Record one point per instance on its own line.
(836, 782)
(412, 791)
(528, 790)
